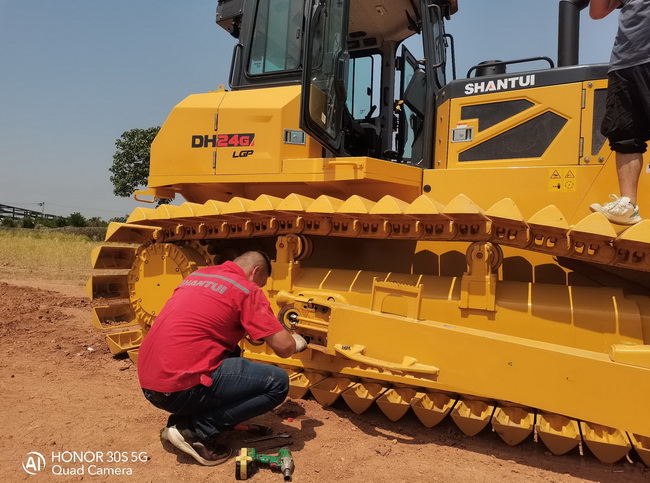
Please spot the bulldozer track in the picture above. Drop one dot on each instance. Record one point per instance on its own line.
(592, 239)
(174, 234)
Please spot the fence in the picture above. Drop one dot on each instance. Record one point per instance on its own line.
(14, 212)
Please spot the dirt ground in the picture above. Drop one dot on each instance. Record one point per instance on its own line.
(64, 392)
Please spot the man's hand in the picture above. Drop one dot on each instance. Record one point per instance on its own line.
(301, 343)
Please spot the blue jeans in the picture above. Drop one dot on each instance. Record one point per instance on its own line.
(240, 390)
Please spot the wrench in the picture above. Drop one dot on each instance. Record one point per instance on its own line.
(264, 438)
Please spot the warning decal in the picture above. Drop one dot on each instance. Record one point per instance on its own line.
(562, 179)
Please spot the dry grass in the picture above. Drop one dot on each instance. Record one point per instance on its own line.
(47, 255)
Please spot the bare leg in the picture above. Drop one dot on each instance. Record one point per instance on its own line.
(628, 167)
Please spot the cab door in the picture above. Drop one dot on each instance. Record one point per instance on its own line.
(325, 73)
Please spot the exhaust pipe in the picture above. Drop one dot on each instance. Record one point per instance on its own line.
(568, 36)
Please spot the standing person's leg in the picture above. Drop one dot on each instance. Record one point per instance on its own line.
(628, 167)
(626, 124)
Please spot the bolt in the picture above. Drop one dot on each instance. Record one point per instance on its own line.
(346, 347)
(587, 160)
(590, 84)
(601, 159)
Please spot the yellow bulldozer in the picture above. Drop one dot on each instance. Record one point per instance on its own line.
(431, 236)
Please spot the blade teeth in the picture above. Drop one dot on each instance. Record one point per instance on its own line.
(300, 382)
(107, 287)
(461, 205)
(265, 203)
(124, 341)
(356, 205)
(472, 415)
(360, 396)
(211, 208)
(237, 205)
(513, 423)
(295, 202)
(395, 402)
(642, 446)
(121, 315)
(432, 407)
(325, 204)
(328, 390)
(423, 205)
(389, 205)
(608, 444)
(188, 210)
(125, 233)
(559, 433)
(110, 257)
(141, 214)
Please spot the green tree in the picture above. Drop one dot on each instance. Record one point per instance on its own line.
(131, 160)
(77, 219)
(96, 221)
(8, 222)
(27, 223)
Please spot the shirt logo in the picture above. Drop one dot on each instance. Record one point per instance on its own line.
(216, 287)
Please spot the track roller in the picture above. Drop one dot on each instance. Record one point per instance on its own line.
(513, 423)
(560, 434)
(432, 407)
(608, 444)
(361, 395)
(471, 415)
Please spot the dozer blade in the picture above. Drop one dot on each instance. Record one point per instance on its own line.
(432, 407)
(642, 446)
(328, 390)
(107, 287)
(608, 444)
(113, 316)
(395, 402)
(300, 382)
(472, 415)
(124, 341)
(110, 257)
(133, 355)
(560, 434)
(361, 395)
(513, 423)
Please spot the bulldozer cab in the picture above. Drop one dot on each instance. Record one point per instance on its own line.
(363, 92)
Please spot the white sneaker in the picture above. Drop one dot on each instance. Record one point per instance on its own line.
(619, 211)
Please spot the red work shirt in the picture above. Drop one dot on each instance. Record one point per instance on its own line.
(204, 320)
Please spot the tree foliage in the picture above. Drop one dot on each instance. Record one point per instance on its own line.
(131, 160)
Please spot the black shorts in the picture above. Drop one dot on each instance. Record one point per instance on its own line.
(627, 116)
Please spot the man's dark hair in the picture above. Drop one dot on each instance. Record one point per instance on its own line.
(267, 260)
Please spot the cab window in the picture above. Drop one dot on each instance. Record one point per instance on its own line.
(276, 37)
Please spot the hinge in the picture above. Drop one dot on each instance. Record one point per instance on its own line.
(214, 160)
(582, 147)
(216, 122)
(584, 98)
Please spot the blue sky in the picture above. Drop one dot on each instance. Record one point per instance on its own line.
(75, 74)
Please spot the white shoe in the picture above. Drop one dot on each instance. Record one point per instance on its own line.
(188, 444)
(619, 211)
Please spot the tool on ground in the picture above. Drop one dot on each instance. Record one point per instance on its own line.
(264, 438)
(248, 462)
(286, 442)
(254, 429)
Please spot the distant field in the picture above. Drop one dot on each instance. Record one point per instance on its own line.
(52, 256)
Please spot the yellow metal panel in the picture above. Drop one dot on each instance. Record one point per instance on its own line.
(562, 100)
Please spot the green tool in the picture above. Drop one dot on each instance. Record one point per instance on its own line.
(248, 462)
